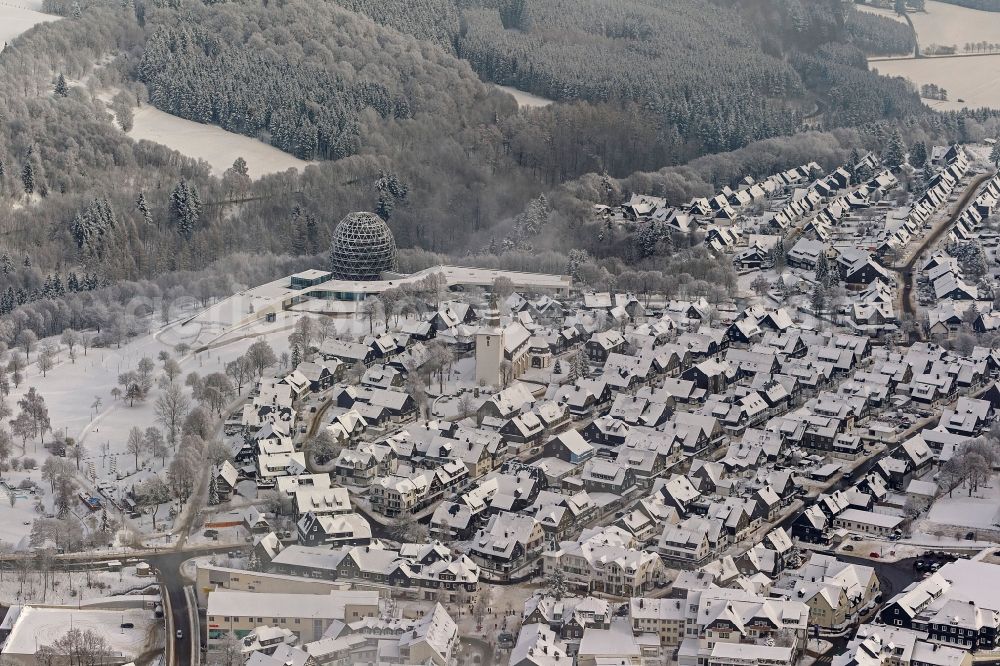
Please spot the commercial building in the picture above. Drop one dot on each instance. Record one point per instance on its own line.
(306, 615)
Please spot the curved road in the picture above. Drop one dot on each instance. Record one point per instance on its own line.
(167, 565)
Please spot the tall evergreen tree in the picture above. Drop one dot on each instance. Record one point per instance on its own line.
(143, 208)
(185, 208)
(895, 150)
(390, 190)
(822, 270)
(28, 178)
(298, 235)
(852, 164)
(312, 234)
(61, 89)
(213, 489)
(818, 298)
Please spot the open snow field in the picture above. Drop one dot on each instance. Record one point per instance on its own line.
(40, 626)
(13, 518)
(974, 79)
(947, 25)
(526, 100)
(951, 25)
(210, 143)
(17, 16)
(981, 511)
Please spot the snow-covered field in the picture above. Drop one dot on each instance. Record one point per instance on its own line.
(526, 100)
(40, 626)
(974, 79)
(951, 25)
(981, 510)
(210, 143)
(17, 16)
(71, 390)
(13, 518)
(947, 25)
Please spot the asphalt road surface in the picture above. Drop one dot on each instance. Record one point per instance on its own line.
(846, 481)
(168, 568)
(892, 576)
(168, 572)
(906, 270)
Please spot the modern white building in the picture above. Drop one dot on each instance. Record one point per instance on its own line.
(318, 291)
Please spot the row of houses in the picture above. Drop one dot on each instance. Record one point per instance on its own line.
(715, 626)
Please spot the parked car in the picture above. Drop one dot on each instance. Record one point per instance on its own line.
(873, 555)
(848, 547)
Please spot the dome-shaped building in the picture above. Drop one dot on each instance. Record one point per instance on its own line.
(363, 248)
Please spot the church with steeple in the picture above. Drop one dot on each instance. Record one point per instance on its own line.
(501, 350)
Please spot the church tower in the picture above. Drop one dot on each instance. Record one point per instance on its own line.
(489, 347)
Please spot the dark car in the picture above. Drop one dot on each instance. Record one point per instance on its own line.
(128, 625)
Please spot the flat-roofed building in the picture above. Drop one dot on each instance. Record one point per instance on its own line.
(307, 615)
